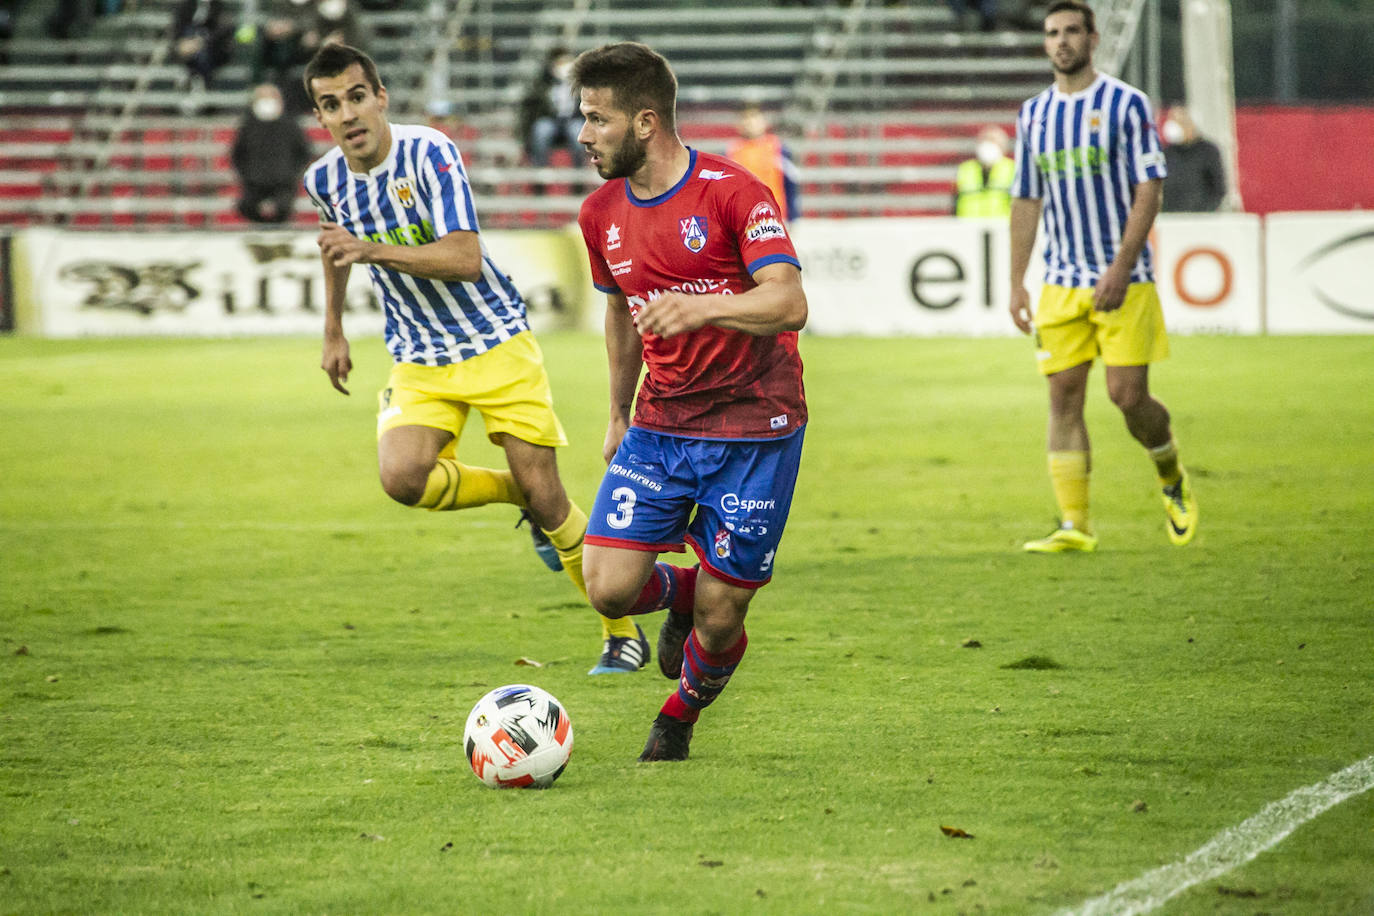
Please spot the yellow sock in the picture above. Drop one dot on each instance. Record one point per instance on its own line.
(1165, 458)
(567, 540)
(457, 486)
(1069, 477)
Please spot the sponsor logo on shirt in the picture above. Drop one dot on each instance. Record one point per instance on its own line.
(693, 229)
(763, 224)
(613, 237)
(777, 422)
(621, 267)
(402, 191)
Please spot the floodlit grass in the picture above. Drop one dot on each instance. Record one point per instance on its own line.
(233, 675)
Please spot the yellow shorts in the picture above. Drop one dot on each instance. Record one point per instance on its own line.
(1068, 332)
(507, 384)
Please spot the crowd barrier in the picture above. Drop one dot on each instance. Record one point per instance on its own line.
(1286, 273)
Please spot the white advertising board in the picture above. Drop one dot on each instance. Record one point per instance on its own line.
(240, 283)
(949, 276)
(1207, 270)
(1320, 267)
(905, 276)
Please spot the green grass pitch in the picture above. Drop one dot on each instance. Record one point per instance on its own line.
(234, 675)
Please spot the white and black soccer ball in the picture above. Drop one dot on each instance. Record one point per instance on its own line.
(518, 736)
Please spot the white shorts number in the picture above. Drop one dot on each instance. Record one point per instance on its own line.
(624, 508)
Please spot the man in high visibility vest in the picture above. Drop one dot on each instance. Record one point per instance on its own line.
(760, 151)
(982, 187)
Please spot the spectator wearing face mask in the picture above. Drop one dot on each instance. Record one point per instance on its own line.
(549, 115)
(1196, 182)
(982, 186)
(270, 153)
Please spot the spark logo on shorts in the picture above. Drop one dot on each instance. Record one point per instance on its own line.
(693, 230)
(722, 544)
(730, 504)
(763, 224)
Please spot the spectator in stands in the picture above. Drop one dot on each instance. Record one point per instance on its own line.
(279, 54)
(270, 153)
(202, 39)
(968, 13)
(1196, 182)
(761, 151)
(333, 23)
(549, 118)
(982, 186)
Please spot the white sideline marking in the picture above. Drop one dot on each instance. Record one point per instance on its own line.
(1234, 846)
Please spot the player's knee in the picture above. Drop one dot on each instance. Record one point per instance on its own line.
(1127, 398)
(611, 598)
(404, 483)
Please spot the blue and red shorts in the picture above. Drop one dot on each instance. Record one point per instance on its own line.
(728, 499)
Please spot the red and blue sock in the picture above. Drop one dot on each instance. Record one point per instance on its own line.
(673, 587)
(704, 676)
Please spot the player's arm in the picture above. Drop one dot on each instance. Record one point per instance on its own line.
(1112, 285)
(1025, 217)
(776, 304)
(455, 257)
(625, 356)
(335, 360)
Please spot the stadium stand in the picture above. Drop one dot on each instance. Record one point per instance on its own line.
(879, 101)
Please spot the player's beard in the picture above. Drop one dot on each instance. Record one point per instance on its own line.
(626, 160)
(1073, 64)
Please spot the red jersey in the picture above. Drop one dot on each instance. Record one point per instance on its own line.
(707, 234)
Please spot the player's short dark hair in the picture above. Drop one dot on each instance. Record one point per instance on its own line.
(638, 77)
(333, 59)
(1075, 6)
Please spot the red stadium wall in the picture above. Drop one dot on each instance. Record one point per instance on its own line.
(1305, 157)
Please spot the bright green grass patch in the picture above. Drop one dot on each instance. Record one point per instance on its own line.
(233, 675)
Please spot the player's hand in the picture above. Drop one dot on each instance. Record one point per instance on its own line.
(671, 313)
(1021, 309)
(1110, 291)
(341, 247)
(615, 431)
(336, 362)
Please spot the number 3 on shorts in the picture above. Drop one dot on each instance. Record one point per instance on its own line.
(624, 508)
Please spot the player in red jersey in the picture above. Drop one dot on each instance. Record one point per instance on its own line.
(704, 288)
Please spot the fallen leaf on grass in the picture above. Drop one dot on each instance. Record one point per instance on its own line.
(711, 863)
(22, 650)
(956, 832)
(970, 644)
(446, 847)
(1033, 663)
(1238, 891)
(1139, 807)
(528, 662)
(375, 837)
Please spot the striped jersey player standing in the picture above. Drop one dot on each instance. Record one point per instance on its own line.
(703, 288)
(1088, 158)
(396, 198)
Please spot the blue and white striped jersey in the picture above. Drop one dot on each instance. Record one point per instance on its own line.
(420, 193)
(1082, 155)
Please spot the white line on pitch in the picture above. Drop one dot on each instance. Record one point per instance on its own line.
(1233, 847)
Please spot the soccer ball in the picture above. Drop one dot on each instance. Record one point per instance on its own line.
(518, 736)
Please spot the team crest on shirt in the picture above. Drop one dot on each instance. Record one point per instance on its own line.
(1095, 119)
(402, 190)
(763, 224)
(693, 230)
(722, 544)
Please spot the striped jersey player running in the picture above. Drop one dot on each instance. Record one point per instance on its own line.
(1088, 159)
(396, 198)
